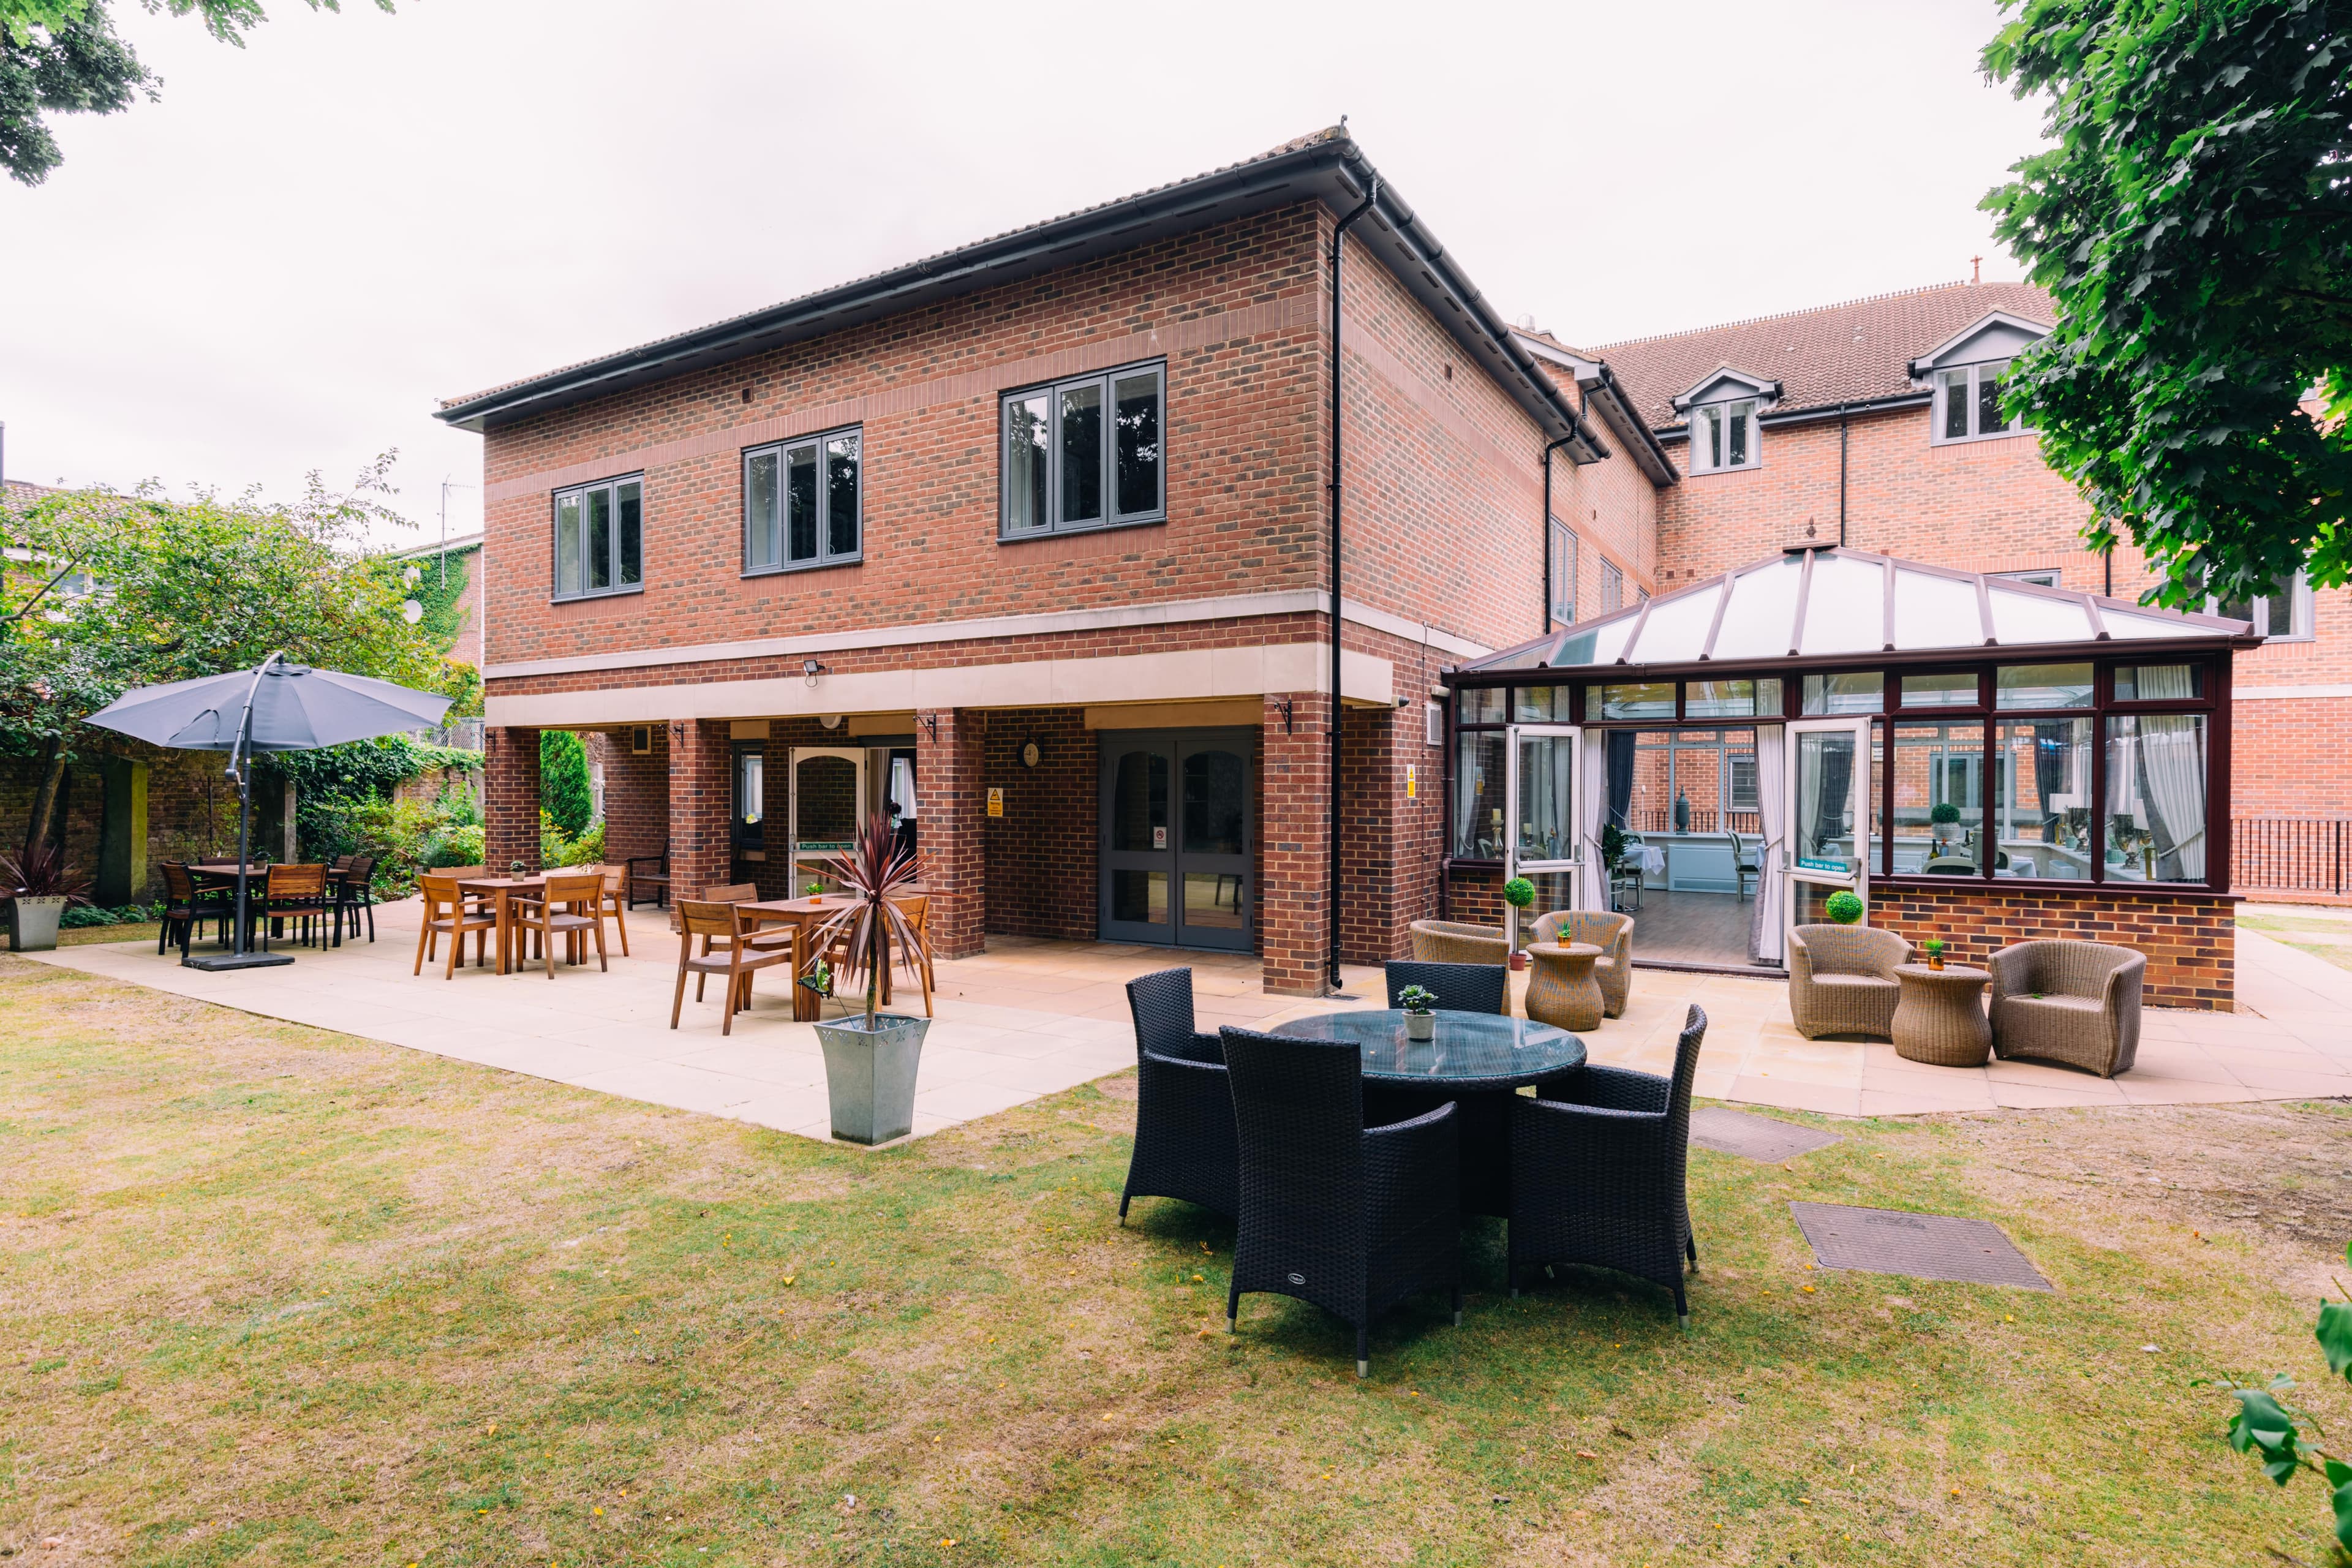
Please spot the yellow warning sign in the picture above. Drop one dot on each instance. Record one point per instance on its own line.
(996, 803)
(1412, 782)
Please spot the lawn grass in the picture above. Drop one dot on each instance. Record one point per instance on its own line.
(2323, 935)
(274, 1295)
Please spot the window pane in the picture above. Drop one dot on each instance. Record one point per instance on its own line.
(2042, 686)
(1827, 787)
(763, 511)
(1216, 803)
(1541, 705)
(2159, 682)
(1479, 795)
(1213, 900)
(1082, 453)
(800, 502)
(751, 786)
(1563, 574)
(599, 548)
(1956, 405)
(1546, 798)
(1859, 694)
(1940, 690)
(841, 463)
(1989, 419)
(2044, 819)
(1484, 705)
(1741, 423)
(1139, 443)
(567, 544)
(1706, 439)
(1139, 801)
(1939, 798)
(1721, 700)
(1643, 700)
(1027, 424)
(2278, 620)
(1613, 587)
(633, 533)
(2156, 798)
(1767, 698)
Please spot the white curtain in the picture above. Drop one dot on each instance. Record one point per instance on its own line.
(1591, 811)
(2172, 781)
(1769, 923)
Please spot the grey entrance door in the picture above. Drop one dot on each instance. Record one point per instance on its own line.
(1177, 837)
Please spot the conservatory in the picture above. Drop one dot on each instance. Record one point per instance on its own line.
(1976, 756)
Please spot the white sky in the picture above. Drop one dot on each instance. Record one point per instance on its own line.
(285, 262)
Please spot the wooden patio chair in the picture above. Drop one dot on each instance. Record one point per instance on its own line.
(737, 960)
(556, 913)
(297, 893)
(918, 959)
(447, 911)
(185, 909)
(653, 880)
(616, 889)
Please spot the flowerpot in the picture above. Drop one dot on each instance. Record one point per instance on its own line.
(1421, 1025)
(1935, 961)
(869, 1078)
(33, 928)
(1518, 961)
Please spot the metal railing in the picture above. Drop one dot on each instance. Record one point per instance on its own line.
(2291, 854)
(1703, 819)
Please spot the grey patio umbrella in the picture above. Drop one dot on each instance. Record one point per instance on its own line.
(280, 706)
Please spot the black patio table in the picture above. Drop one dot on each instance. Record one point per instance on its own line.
(1478, 1061)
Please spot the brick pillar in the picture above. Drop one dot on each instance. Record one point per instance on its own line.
(951, 807)
(1294, 831)
(1371, 789)
(701, 807)
(510, 797)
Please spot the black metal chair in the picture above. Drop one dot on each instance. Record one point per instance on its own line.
(354, 892)
(1348, 1218)
(1184, 1144)
(1598, 1166)
(1464, 987)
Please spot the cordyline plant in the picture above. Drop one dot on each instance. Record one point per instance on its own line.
(2267, 1426)
(41, 872)
(872, 872)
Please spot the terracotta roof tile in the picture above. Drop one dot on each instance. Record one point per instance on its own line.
(1849, 353)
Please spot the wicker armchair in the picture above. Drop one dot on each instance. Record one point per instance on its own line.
(1184, 1144)
(1842, 980)
(1455, 941)
(2072, 1002)
(1349, 1217)
(1610, 933)
(1464, 987)
(1598, 1164)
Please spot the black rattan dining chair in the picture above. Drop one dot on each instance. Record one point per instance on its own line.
(1598, 1166)
(354, 892)
(1463, 987)
(1183, 1109)
(1352, 1218)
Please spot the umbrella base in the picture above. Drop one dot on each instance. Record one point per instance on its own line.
(235, 960)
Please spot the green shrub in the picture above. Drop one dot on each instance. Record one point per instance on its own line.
(1943, 811)
(563, 791)
(1518, 892)
(1843, 908)
(97, 915)
(557, 847)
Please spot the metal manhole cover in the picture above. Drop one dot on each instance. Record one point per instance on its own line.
(1754, 1137)
(1923, 1246)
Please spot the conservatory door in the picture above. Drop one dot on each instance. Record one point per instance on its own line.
(828, 793)
(1828, 801)
(1544, 833)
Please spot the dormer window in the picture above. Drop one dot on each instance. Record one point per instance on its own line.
(1964, 374)
(1722, 414)
(1967, 402)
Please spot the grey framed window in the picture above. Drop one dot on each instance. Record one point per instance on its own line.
(1085, 453)
(1613, 587)
(804, 502)
(1563, 574)
(1968, 403)
(1723, 436)
(600, 539)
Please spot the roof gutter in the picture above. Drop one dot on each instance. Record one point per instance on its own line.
(1813, 416)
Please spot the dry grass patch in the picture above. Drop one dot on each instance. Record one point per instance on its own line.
(273, 1295)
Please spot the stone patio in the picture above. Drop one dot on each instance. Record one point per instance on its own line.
(1032, 1018)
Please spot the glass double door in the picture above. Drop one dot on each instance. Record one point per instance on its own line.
(1177, 839)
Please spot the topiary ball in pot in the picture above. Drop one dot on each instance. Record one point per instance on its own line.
(1943, 813)
(1843, 908)
(1518, 892)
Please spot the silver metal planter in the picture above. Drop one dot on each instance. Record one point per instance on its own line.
(32, 928)
(870, 1078)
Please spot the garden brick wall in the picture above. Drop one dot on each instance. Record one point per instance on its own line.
(2190, 940)
(701, 807)
(952, 804)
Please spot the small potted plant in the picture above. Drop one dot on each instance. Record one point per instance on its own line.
(38, 887)
(1518, 893)
(1934, 948)
(813, 889)
(1844, 907)
(871, 1058)
(1943, 816)
(1420, 1021)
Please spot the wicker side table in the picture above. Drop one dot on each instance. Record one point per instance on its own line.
(1563, 990)
(1939, 1019)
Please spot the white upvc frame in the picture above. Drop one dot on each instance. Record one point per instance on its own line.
(1515, 863)
(1969, 379)
(1861, 780)
(818, 860)
(2300, 611)
(1701, 421)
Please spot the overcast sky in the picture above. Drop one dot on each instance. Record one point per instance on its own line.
(281, 265)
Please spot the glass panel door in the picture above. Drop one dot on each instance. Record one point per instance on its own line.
(1540, 809)
(1138, 840)
(1831, 825)
(1214, 844)
(828, 784)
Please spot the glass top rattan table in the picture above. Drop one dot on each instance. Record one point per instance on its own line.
(1472, 1050)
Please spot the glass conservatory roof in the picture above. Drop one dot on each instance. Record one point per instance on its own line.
(1814, 602)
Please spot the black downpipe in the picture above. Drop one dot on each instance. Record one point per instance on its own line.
(1548, 585)
(1842, 433)
(1338, 235)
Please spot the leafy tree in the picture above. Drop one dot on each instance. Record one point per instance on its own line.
(62, 56)
(113, 591)
(2193, 220)
(563, 781)
(2267, 1426)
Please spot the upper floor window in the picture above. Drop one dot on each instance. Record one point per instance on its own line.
(2039, 576)
(1967, 402)
(1085, 453)
(1563, 574)
(600, 538)
(2282, 615)
(1613, 587)
(1723, 436)
(803, 502)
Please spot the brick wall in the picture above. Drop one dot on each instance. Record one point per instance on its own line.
(1293, 828)
(191, 808)
(952, 804)
(1041, 858)
(510, 797)
(636, 794)
(701, 806)
(2190, 940)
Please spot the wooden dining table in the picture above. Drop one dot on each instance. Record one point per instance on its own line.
(803, 915)
(500, 891)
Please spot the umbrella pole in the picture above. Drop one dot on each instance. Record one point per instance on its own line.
(240, 768)
(243, 846)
